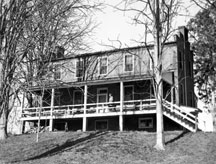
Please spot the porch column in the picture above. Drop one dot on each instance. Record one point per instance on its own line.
(51, 110)
(121, 106)
(85, 107)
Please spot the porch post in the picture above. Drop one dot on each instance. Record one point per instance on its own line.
(121, 106)
(85, 107)
(51, 110)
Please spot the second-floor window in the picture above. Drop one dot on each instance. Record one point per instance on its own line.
(103, 65)
(79, 68)
(128, 63)
(57, 71)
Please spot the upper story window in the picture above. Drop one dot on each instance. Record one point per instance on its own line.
(128, 63)
(57, 71)
(103, 65)
(79, 68)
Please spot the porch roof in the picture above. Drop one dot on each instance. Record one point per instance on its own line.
(60, 84)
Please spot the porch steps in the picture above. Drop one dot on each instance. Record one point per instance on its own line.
(180, 116)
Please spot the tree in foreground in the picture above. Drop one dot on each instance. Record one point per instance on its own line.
(32, 33)
(156, 17)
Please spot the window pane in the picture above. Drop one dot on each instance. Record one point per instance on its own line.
(102, 98)
(128, 63)
(79, 68)
(57, 72)
(102, 91)
(103, 66)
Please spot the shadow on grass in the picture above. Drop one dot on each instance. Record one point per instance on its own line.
(176, 138)
(67, 145)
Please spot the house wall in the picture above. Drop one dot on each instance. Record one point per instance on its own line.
(141, 64)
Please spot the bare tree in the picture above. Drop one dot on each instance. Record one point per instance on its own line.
(32, 34)
(156, 17)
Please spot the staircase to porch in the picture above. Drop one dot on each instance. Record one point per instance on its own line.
(181, 116)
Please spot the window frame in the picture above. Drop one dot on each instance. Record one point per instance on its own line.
(125, 63)
(102, 94)
(57, 69)
(99, 65)
(82, 74)
(143, 126)
(104, 120)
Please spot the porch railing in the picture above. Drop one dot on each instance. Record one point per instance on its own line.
(92, 108)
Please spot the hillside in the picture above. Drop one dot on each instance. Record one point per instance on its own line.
(108, 148)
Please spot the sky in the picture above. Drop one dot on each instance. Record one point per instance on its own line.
(116, 25)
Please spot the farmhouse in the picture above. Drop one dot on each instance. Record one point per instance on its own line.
(113, 90)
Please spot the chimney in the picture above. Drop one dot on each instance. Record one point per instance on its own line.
(183, 32)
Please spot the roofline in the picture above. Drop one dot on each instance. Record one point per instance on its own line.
(108, 51)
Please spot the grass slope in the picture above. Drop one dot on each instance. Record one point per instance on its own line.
(108, 148)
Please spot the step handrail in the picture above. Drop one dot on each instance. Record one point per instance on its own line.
(179, 111)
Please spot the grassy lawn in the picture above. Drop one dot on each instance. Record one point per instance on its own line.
(131, 147)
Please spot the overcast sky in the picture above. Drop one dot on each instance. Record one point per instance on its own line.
(117, 25)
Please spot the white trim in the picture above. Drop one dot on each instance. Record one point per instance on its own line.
(133, 62)
(105, 120)
(132, 90)
(143, 126)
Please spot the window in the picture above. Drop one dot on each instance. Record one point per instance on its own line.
(101, 125)
(102, 95)
(79, 68)
(103, 65)
(78, 97)
(128, 93)
(57, 72)
(128, 63)
(145, 123)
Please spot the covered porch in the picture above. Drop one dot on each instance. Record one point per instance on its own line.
(99, 100)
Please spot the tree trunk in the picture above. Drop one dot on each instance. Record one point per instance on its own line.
(159, 114)
(158, 79)
(3, 122)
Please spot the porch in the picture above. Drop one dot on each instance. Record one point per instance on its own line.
(119, 99)
(146, 106)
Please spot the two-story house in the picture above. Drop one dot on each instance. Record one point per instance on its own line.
(114, 90)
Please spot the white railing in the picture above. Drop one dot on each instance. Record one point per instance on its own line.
(92, 108)
(181, 112)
